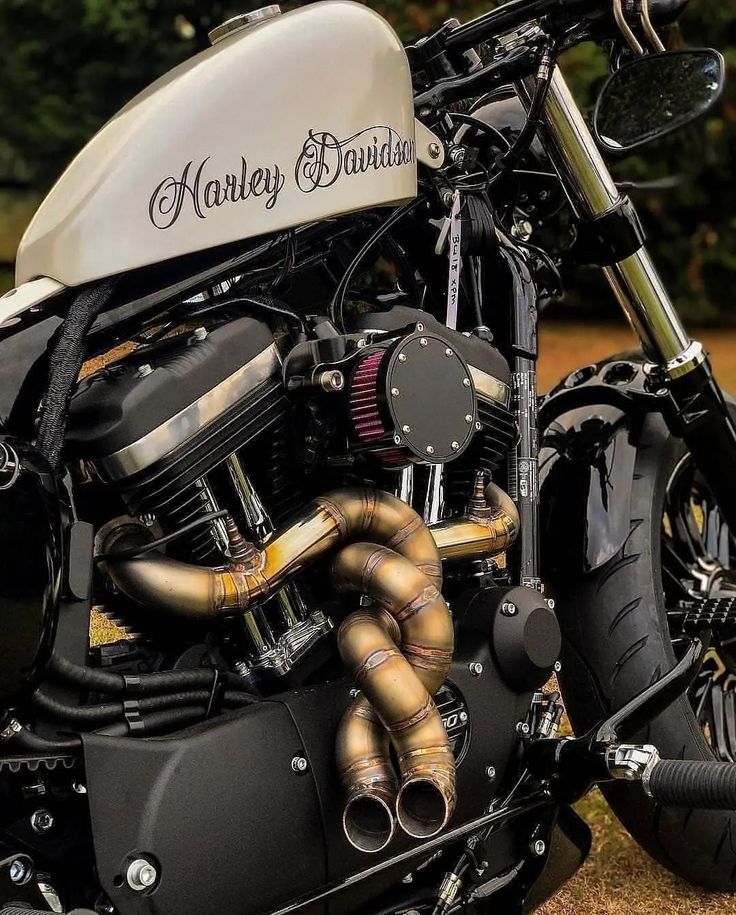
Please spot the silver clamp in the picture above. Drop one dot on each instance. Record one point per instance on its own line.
(632, 763)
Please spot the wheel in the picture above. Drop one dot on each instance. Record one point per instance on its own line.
(621, 627)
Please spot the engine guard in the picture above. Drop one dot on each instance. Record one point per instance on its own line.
(590, 426)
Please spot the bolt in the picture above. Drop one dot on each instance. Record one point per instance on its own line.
(20, 871)
(402, 357)
(458, 156)
(538, 848)
(144, 370)
(199, 335)
(491, 772)
(466, 382)
(420, 328)
(558, 666)
(299, 764)
(463, 717)
(331, 381)
(551, 604)
(522, 728)
(397, 439)
(478, 427)
(456, 446)
(448, 198)
(448, 352)
(79, 788)
(408, 879)
(42, 821)
(435, 150)
(395, 392)
(509, 609)
(141, 875)
(424, 342)
(475, 668)
(468, 419)
(430, 449)
(406, 429)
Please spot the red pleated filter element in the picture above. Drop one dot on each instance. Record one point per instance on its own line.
(367, 413)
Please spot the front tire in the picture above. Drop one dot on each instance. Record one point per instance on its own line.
(618, 642)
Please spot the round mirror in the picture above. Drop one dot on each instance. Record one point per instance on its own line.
(651, 96)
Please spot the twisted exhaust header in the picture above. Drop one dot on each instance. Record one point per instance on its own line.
(399, 566)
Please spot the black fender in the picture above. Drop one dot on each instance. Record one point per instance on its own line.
(590, 426)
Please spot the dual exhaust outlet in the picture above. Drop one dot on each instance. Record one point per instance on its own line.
(399, 650)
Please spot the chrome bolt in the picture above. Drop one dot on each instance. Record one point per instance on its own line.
(551, 604)
(478, 427)
(509, 609)
(141, 875)
(463, 717)
(402, 357)
(448, 198)
(420, 328)
(466, 382)
(430, 449)
(558, 666)
(397, 439)
(408, 879)
(20, 871)
(331, 381)
(448, 352)
(538, 848)
(475, 668)
(456, 446)
(42, 821)
(424, 342)
(199, 335)
(395, 392)
(406, 429)
(468, 419)
(435, 150)
(491, 772)
(522, 728)
(299, 764)
(79, 788)
(144, 370)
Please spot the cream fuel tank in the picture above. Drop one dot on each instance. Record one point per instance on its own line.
(286, 119)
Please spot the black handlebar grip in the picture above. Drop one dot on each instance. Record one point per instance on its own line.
(687, 783)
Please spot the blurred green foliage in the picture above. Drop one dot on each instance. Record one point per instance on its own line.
(68, 65)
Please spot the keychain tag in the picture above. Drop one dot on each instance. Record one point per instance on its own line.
(455, 242)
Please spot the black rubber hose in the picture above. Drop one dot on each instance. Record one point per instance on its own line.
(33, 744)
(98, 715)
(159, 721)
(694, 785)
(103, 681)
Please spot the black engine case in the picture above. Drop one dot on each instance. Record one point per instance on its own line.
(234, 828)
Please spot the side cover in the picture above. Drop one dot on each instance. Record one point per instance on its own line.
(306, 116)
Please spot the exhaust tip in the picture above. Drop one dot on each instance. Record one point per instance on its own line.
(422, 809)
(369, 823)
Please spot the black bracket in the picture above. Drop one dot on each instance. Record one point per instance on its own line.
(611, 237)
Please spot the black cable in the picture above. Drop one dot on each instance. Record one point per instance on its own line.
(97, 715)
(145, 684)
(136, 551)
(267, 303)
(481, 126)
(338, 300)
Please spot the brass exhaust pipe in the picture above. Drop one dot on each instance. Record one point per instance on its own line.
(398, 684)
(197, 592)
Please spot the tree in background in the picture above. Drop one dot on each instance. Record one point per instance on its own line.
(68, 65)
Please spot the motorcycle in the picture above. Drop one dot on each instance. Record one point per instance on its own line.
(290, 548)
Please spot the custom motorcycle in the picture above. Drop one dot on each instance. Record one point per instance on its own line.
(289, 547)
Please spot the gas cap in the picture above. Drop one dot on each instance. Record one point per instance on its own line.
(244, 21)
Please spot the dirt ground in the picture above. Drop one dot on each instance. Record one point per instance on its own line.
(619, 878)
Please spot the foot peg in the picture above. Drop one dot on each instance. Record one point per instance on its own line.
(716, 614)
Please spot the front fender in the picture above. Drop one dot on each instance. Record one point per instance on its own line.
(589, 432)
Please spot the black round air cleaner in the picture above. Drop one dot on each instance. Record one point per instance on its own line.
(413, 401)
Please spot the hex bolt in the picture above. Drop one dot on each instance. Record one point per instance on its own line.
(468, 419)
(141, 875)
(20, 871)
(491, 772)
(475, 668)
(456, 446)
(402, 357)
(144, 370)
(435, 150)
(299, 764)
(42, 821)
(538, 848)
(199, 335)
(509, 609)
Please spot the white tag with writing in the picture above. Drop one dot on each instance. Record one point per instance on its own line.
(456, 262)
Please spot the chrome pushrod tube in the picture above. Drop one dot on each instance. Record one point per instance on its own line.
(592, 192)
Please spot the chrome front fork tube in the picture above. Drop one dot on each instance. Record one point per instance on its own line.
(697, 408)
(593, 194)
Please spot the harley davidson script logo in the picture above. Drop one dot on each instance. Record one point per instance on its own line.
(323, 160)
